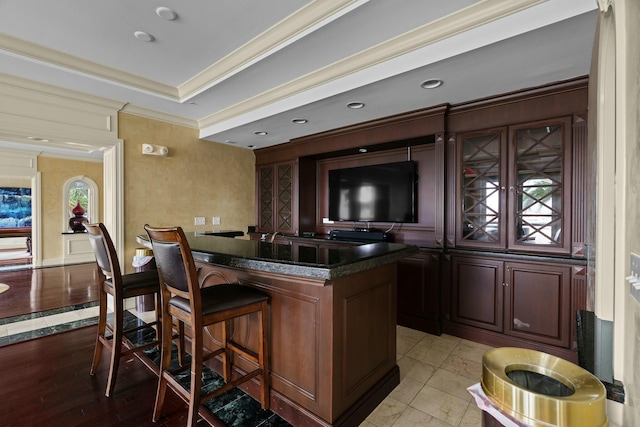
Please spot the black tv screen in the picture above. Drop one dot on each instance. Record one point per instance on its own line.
(376, 193)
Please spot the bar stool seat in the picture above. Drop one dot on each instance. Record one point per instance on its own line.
(184, 300)
(120, 287)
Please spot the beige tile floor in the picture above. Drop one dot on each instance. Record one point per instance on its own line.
(435, 372)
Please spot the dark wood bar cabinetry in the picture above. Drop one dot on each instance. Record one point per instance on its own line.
(501, 211)
(332, 321)
(419, 292)
(515, 301)
(276, 202)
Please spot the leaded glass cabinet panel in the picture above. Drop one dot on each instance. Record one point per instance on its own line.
(513, 188)
(481, 201)
(539, 201)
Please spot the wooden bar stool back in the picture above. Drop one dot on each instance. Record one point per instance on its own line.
(197, 307)
(120, 287)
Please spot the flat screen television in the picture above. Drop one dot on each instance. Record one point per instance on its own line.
(375, 193)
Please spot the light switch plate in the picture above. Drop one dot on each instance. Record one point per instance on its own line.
(216, 220)
(635, 265)
(199, 220)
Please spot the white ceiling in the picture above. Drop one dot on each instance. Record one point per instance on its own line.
(231, 68)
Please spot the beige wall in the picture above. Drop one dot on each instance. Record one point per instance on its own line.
(198, 178)
(54, 172)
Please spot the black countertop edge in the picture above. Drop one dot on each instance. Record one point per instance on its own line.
(291, 268)
(359, 258)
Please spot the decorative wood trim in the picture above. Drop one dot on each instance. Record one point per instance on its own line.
(579, 186)
(534, 104)
(406, 126)
(450, 197)
(440, 216)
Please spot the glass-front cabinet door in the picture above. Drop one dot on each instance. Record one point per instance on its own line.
(513, 188)
(481, 193)
(539, 176)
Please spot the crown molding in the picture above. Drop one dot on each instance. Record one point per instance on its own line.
(33, 86)
(156, 115)
(307, 19)
(53, 58)
(605, 5)
(480, 13)
(304, 21)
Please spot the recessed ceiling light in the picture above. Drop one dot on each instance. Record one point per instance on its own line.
(228, 141)
(260, 133)
(145, 37)
(192, 104)
(166, 13)
(431, 84)
(362, 150)
(251, 146)
(355, 105)
(300, 121)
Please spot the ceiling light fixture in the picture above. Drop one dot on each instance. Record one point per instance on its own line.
(145, 37)
(431, 84)
(300, 121)
(355, 105)
(260, 133)
(362, 150)
(166, 13)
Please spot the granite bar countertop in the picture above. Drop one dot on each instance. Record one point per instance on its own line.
(293, 258)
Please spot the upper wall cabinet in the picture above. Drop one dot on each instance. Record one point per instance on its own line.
(514, 188)
(277, 198)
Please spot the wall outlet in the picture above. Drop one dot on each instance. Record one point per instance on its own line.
(216, 220)
(199, 220)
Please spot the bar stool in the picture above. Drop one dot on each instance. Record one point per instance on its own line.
(119, 286)
(183, 298)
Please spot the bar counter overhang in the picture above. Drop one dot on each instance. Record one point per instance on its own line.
(332, 320)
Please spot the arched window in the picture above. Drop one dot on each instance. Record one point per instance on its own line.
(80, 190)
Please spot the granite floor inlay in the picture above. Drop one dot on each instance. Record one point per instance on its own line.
(40, 314)
(39, 324)
(433, 372)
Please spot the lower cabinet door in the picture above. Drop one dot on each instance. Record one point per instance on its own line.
(477, 292)
(538, 302)
(419, 292)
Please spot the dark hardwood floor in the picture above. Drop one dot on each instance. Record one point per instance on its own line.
(40, 289)
(46, 382)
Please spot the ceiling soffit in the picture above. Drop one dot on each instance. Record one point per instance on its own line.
(469, 18)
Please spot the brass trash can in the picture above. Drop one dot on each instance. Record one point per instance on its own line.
(538, 389)
(143, 260)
